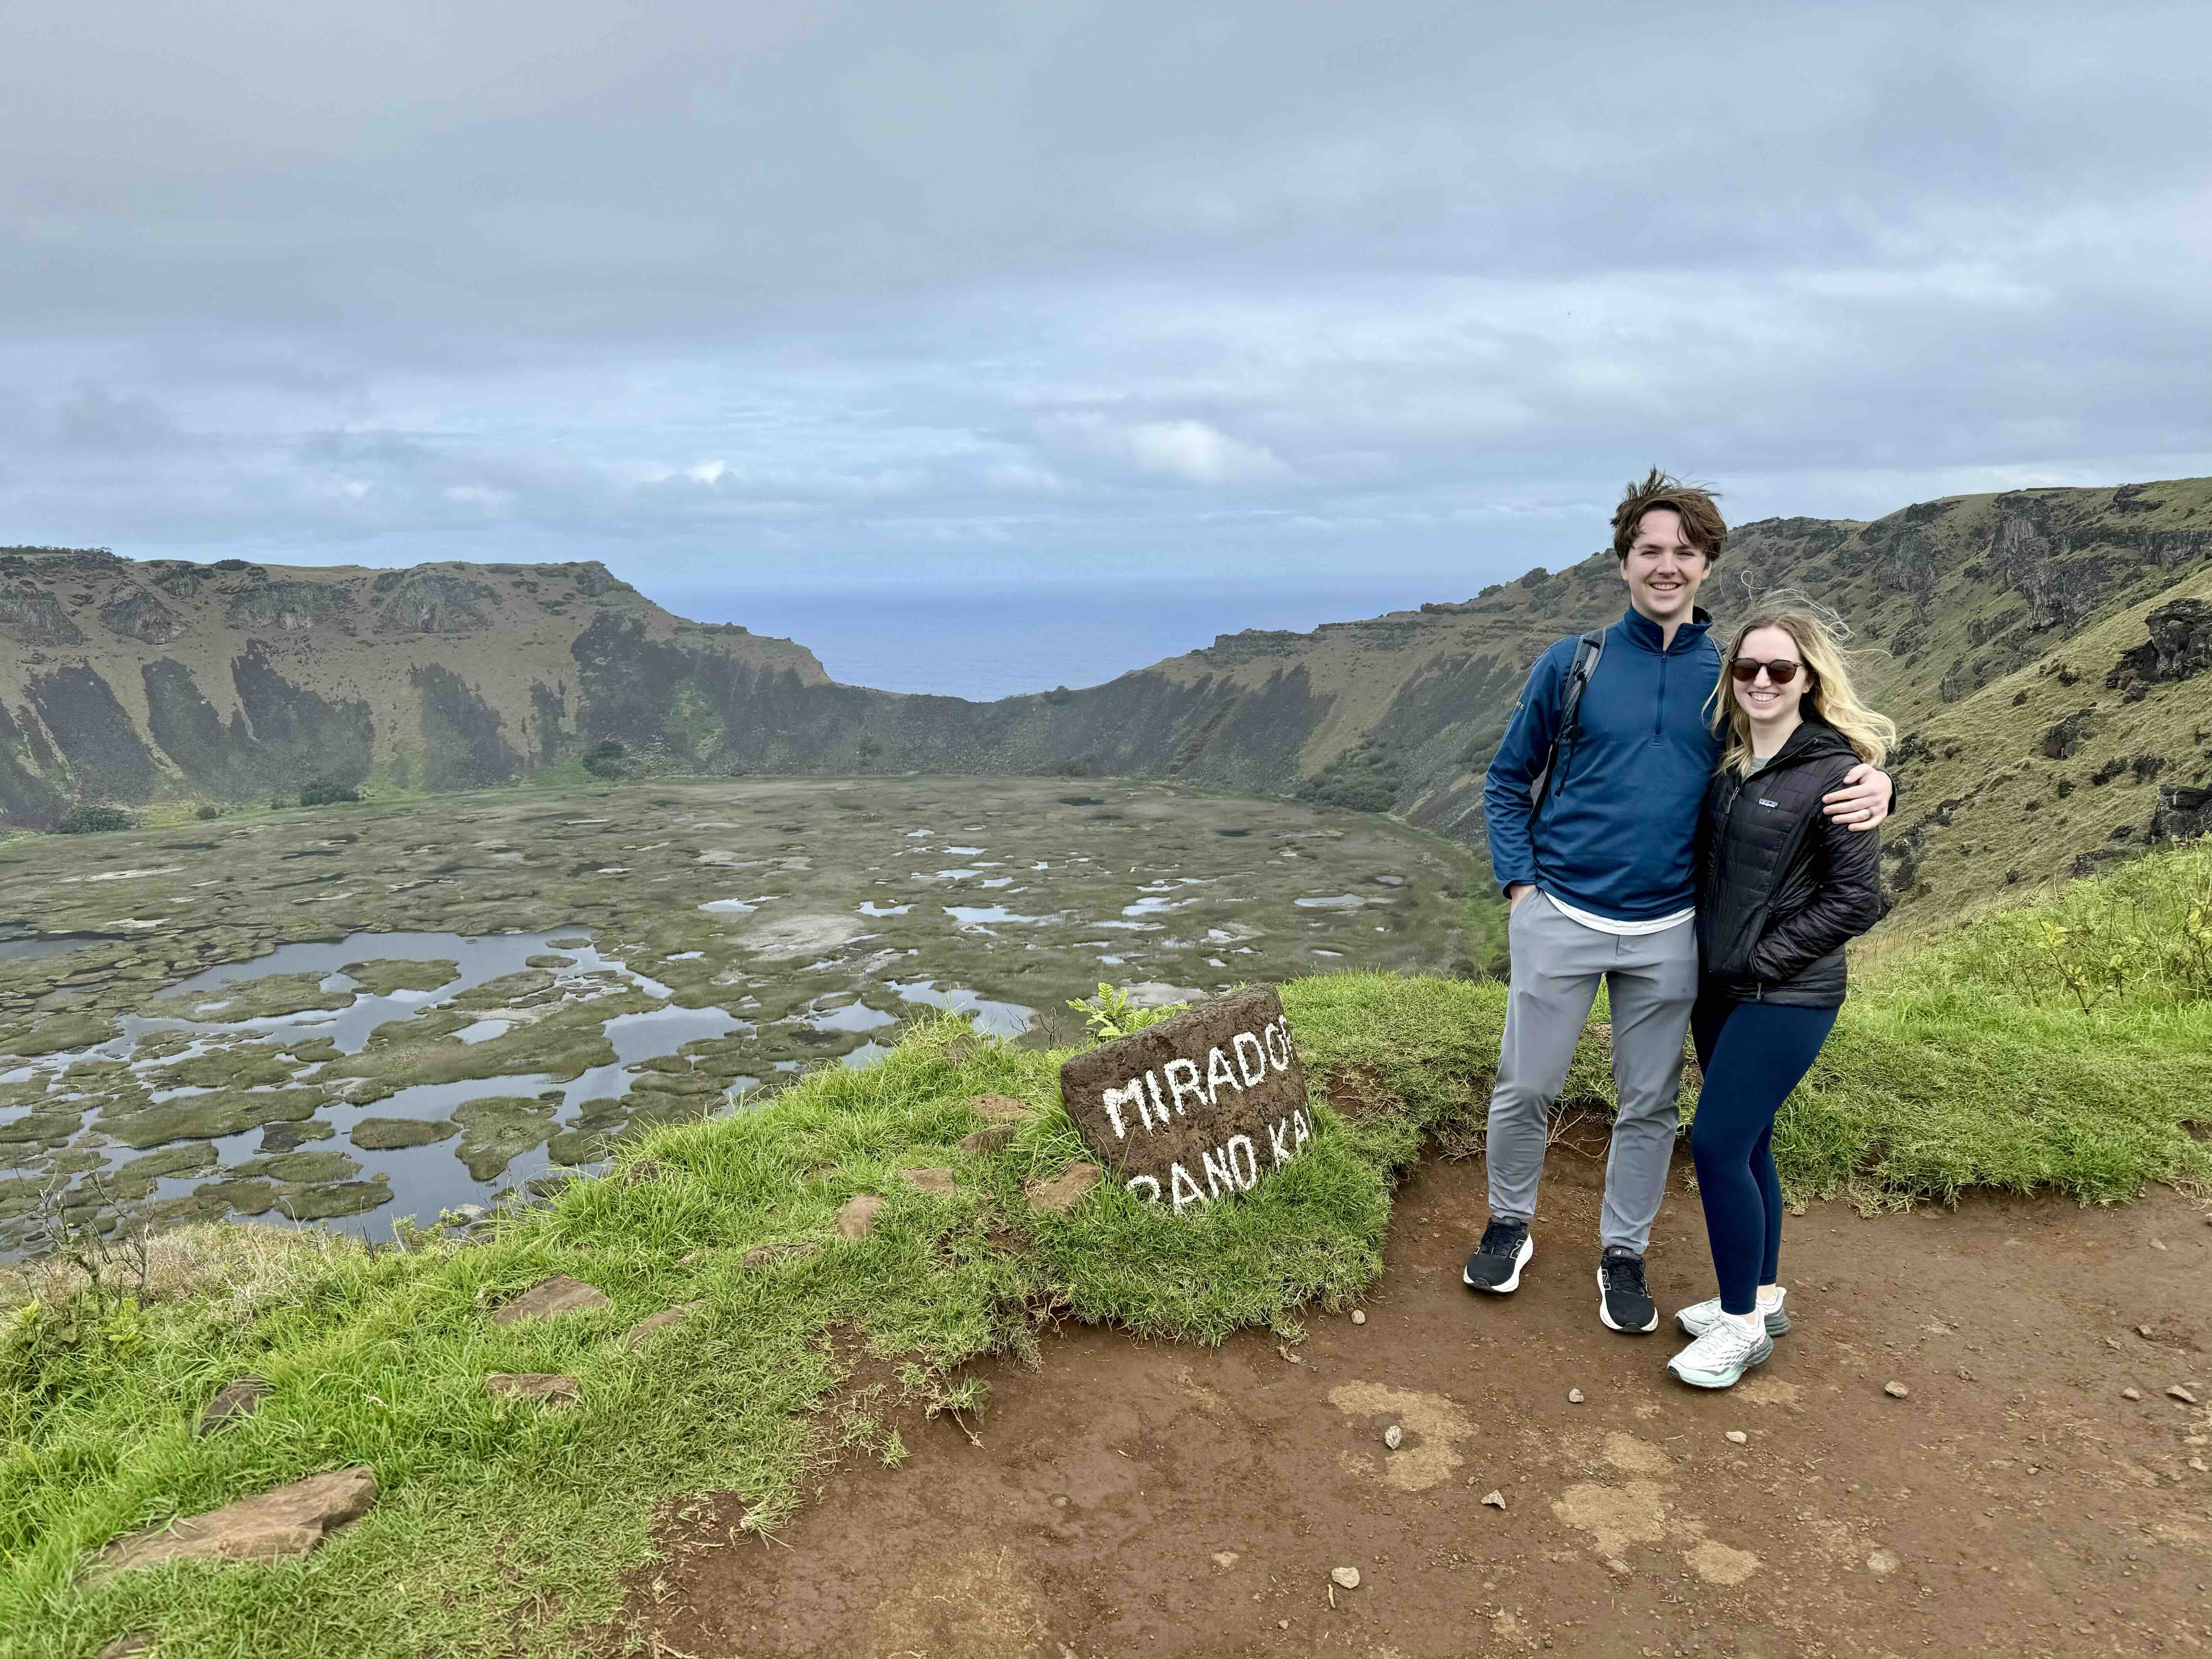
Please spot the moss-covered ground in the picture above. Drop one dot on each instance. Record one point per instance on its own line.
(784, 923)
(505, 1526)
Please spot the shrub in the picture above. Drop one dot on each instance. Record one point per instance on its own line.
(327, 792)
(1366, 778)
(207, 810)
(94, 820)
(2140, 936)
(1110, 1014)
(604, 759)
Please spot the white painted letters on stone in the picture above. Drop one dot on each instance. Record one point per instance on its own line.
(1256, 1067)
(1180, 1111)
(1217, 1074)
(1131, 1093)
(1183, 1079)
(1219, 1171)
(1183, 1189)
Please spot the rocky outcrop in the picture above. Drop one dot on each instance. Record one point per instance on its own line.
(140, 616)
(289, 607)
(2183, 813)
(2179, 645)
(431, 599)
(2060, 742)
(31, 618)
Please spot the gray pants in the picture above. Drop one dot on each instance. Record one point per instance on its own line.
(1651, 983)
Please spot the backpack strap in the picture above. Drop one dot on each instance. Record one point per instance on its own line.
(1588, 649)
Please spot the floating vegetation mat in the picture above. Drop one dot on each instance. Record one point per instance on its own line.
(380, 1011)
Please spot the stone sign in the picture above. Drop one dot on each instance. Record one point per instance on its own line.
(1197, 1107)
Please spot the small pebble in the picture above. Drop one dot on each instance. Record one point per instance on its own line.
(1574, 1396)
(1895, 1390)
(1883, 1562)
(1346, 1577)
(1737, 1437)
(2181, 1394)
(1495, 1499)
(2143, 1331)
(1358, 1315)
(2130, 1394)
(1394, 1436)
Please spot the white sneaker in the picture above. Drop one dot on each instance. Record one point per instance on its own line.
(1719, 1359)
(1698, 1319)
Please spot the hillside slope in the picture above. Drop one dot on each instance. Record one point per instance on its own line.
(129, 682)
(1991, 618)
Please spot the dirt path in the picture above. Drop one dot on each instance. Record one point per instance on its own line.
(1137, 1498)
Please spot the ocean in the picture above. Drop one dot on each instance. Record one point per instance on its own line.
(987, 643)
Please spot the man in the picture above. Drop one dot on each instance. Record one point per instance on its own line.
(1600, 876)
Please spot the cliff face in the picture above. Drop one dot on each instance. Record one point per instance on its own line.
(133, 681)
(127, 682)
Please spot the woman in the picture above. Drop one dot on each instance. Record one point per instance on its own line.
(1782, 888)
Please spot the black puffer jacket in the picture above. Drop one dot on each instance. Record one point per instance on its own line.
(1782, 886)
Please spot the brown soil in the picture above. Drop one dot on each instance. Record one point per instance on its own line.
(1153, 1498)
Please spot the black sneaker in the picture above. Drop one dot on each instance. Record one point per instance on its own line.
(1496, 1263)
(1622, 1300)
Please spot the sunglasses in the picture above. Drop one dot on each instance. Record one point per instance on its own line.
(1780, 671)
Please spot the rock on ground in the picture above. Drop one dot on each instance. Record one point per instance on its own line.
(937, 1183)
(858, 1217)
(1000, 1109)
(232, 1402)
(987, 1140)
(557, 1295)
(287, 1521)
(1064, 1191)
(645, 1329)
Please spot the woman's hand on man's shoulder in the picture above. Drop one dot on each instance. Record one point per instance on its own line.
(1863, 801)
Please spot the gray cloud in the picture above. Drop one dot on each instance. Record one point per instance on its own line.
(729, 293)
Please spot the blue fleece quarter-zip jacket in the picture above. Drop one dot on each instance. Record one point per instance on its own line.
(1617, 830)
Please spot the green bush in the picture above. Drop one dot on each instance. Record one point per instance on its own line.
(1366, 778)
(604, 759)
(1110, 1014)
(206, 811)
(327, 792)
(2141, 935)
(94, 820)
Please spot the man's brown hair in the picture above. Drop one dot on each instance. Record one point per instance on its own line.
(1701, 524)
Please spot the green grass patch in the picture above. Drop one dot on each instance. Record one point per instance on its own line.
(502, 1525)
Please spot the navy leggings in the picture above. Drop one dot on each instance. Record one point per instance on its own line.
(1753, 1054)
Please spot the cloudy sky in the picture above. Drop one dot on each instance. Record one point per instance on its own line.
(749, 295)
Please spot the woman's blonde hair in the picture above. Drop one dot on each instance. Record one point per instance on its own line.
(1820, 635)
